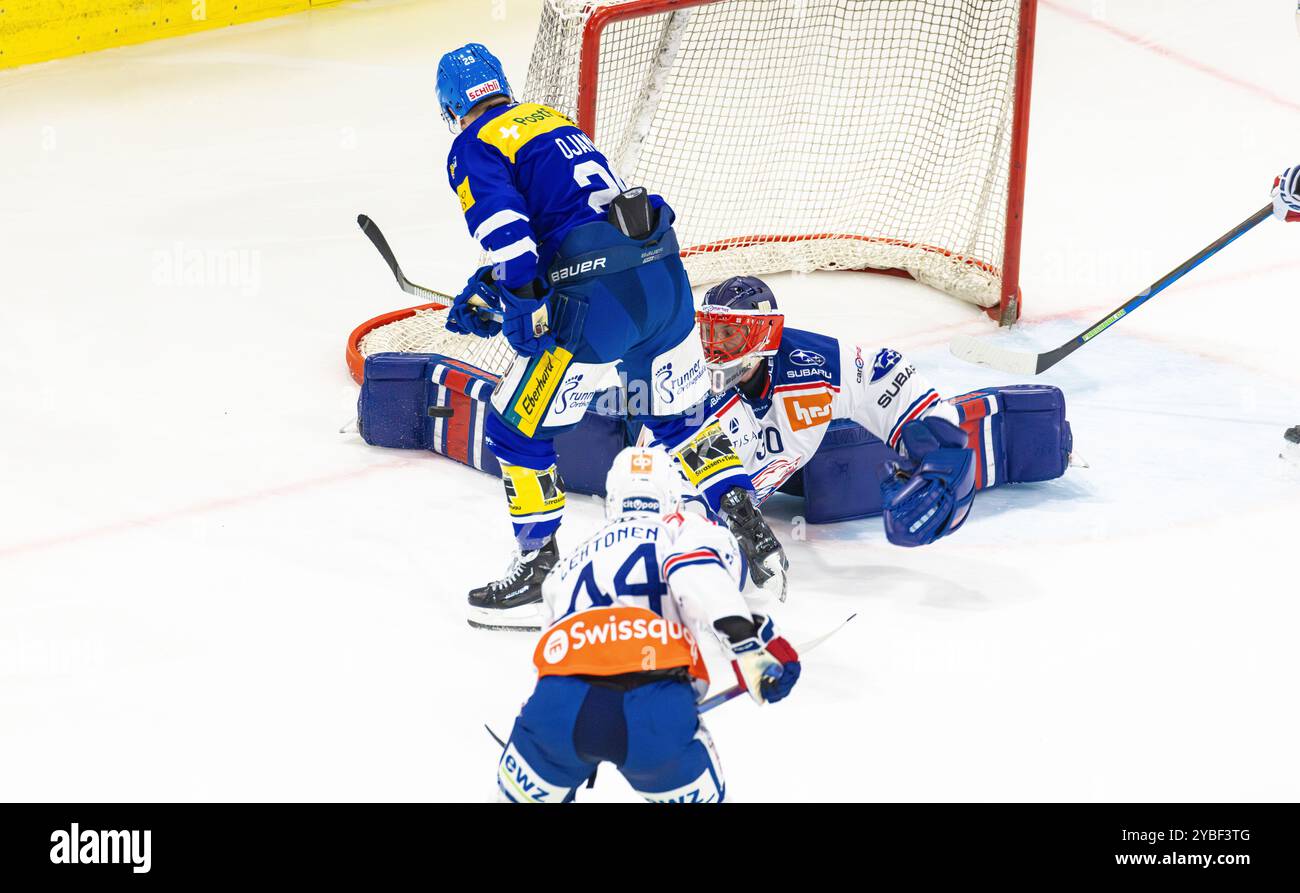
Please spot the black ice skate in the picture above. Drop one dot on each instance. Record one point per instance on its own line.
(515, 601)
(767, 559)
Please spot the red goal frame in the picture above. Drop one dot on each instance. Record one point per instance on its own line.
(1008, 309)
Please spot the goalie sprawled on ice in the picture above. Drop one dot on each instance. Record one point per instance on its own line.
(777, 391)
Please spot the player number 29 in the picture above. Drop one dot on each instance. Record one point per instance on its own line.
(587, 173)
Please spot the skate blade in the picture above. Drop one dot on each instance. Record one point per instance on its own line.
(524, 618)
(517, 629)
(1291, 453)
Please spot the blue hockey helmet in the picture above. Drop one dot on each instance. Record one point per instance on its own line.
(740, 327)
(741, 293)
(467, 76)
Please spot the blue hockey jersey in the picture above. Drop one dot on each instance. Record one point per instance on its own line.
(525, 175)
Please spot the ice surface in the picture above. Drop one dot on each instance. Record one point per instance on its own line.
(208, 593)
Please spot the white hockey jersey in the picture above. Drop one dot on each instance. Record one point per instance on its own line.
(814, 379)
(637, 594)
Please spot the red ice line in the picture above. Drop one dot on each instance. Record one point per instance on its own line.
(1148, 44)
(198, 509)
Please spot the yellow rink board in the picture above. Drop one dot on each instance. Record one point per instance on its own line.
(36, 30)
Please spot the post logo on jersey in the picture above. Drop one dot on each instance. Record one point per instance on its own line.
(808, 410)
(512, 131)
(885, 360)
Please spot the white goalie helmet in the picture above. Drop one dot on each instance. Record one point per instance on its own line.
(642, 481)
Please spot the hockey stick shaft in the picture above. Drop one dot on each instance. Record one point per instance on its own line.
(376, 236)
(978, 351)
(739, 689)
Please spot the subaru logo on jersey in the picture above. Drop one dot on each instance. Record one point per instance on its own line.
(806, 358)
(478, 91)
(885, 360)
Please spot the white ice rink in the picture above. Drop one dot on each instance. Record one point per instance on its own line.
(207, 593)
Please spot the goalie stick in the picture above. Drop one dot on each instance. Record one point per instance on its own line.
(376, 236)
(975, 350)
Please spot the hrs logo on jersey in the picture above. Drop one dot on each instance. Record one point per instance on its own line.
(885, 360)
(808, 410)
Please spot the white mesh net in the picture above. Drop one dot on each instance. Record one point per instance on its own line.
(808, 134)
(425, 332)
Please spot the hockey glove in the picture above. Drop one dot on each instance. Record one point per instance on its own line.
(527, 322)
(465, 318)
(765, 663)
(1286, 195)
(763, 553)
(930, 493)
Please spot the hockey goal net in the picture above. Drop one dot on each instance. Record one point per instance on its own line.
(806, 134)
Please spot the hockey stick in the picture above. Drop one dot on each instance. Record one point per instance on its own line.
(739, 688)
(376, 236)
(974, 350)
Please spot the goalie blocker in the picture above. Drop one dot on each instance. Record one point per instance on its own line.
(1019, 434)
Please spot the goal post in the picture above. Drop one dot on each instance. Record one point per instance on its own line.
(802, 135)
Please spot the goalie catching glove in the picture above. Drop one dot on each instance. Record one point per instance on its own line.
(928, 495)
(1286, 195)
(765, 663)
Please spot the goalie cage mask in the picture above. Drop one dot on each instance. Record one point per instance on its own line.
(735, 341)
